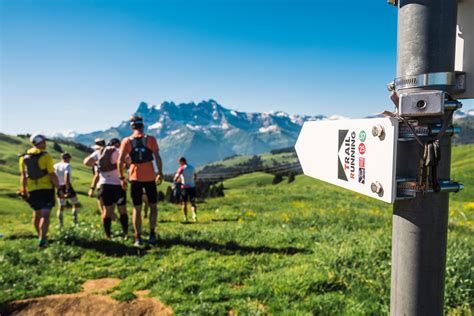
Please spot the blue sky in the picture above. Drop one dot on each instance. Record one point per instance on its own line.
(85, 65)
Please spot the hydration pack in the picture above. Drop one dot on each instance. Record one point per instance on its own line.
(33, 170)
(104, 163)
(140, 153)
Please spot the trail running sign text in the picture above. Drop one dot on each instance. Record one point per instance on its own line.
(358, 155)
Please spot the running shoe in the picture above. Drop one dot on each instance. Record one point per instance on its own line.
(42, 243)
(152, 239)
(138, 243)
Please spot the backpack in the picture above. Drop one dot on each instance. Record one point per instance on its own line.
(33, 170)
(140, 153)
(104, 163)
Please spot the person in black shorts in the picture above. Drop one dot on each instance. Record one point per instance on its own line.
(38, 180)
(63, 172)
(111, 192)
(143, 151)
(186, 175)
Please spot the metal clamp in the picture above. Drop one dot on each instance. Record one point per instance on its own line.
(407, 188)
(457, 80)
(405, 133)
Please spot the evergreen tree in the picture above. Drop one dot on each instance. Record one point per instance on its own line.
(57, 147)
(277, 179)
(291, 177)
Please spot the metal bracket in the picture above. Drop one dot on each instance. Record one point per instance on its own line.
(455, 80)
(407, 188)
(422, 103)
(425, 103)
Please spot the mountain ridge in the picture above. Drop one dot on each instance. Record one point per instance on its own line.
(207, 131)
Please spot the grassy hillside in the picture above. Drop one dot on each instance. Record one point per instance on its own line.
(300, 248)
(268, 159)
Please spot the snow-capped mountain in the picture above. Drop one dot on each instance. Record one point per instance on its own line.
(463, 114)
(207, 131)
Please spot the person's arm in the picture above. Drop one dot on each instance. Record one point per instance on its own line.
(94, 181)
(156, 154)
(90, 160)
(23, 180)
(159, 162)
(128, 161)
(54, 179)
(178, 174)
(121, 162)
(23, 187)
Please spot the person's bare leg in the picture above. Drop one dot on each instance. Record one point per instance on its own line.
(75, 208)
(107, 220)
(153, 217)
(60, 215)
(44, 224)
(101, 207)
(137, 221)
(123, 219)
(184, 205)
(194, 210)
(146, 206)
(36, 221)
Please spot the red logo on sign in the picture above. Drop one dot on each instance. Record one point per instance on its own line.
(361, 148)
(361, 162)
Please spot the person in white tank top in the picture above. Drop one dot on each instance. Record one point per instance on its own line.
(65, 191)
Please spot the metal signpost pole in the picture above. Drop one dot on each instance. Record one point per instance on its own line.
(426, 47)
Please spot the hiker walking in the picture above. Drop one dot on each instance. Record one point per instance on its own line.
(186, 175)
(38, 181)
(65, 191)
(111, 193)
(99, 144)
(142, 149)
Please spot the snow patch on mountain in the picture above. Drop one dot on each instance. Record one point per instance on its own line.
(461, 114)
(268, 129)
(63, 134)
(335, 117)
(157, 125)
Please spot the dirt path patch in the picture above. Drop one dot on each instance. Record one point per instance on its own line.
(99, 286)
(89, 302)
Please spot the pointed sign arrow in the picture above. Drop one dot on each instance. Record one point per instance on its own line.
(358, 155)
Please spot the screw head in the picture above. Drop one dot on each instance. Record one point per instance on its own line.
(378, 131)
(376, 187)
(420, 105)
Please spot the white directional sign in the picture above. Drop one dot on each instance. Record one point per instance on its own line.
(358, 155)
(465, 46)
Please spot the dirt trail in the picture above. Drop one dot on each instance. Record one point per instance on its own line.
(92, 301)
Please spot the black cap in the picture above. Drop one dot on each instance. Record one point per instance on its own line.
(136, 121)
(114, 141)
(66, 156)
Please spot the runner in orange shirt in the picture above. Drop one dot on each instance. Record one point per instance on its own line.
(142, 149)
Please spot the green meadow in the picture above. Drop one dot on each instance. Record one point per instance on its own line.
(297, 248)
